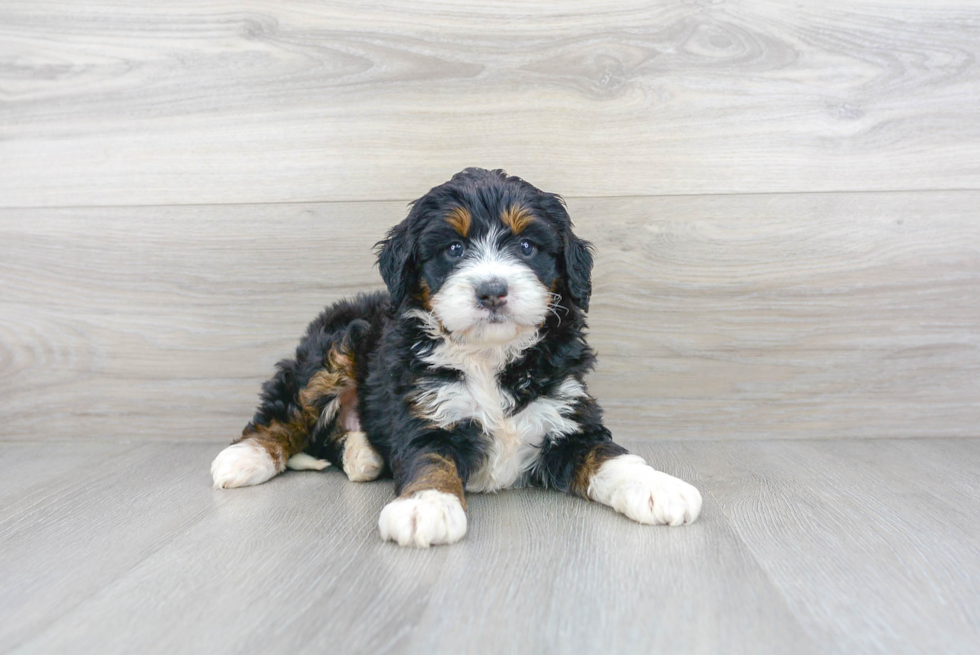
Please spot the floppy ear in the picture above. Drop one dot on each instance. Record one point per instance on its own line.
(394, 255)
(578, 269)
(577, 253)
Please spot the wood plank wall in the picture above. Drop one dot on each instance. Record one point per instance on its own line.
(785, 198)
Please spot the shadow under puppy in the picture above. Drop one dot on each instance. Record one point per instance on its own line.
(467, 375)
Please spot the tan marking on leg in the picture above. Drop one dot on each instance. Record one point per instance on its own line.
(336, 378)
(593, 461)
(516, 218)
(438, 473)
(283, 439)
(280, 439)
(460, 219)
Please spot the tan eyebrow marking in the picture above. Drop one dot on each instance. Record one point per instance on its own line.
(516, 218)
(460, 219)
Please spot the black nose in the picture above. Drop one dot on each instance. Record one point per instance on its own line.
(491, 294)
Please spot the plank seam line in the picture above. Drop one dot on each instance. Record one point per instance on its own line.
(567, 197)
(625, 440)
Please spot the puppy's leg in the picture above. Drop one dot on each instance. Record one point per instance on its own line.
(630, 486)
(362, 463)
(592, 466)
(261, 453)
(430, 508)
(350, 451)
(338, 437)
(284, 421)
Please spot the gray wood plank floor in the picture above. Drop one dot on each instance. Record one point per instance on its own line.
(833, 546)
(134, 103)
(714, 317)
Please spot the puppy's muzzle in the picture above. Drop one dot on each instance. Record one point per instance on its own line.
(491, 294)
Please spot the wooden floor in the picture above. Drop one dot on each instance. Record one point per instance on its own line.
(850, 546)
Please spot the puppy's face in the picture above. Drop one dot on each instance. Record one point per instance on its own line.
(488, 255)
(489, 271)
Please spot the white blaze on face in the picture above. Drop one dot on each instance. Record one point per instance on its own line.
(527, 300)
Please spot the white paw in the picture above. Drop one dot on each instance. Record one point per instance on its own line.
(628, 485)
(304, 462)
(241, 465)
(362, 463)
(424, 519)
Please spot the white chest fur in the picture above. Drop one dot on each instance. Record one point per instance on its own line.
(515, 438)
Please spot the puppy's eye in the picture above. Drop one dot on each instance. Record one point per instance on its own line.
(455, 250)
(527, 248)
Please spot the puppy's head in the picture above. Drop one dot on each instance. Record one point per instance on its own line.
(488, 255)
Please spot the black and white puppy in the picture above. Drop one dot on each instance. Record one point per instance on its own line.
(467, 375)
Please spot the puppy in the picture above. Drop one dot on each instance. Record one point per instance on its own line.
(467, 375)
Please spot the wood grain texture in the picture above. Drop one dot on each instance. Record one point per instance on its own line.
(802, 547)
(610, 585)
(829, 315)
(65, 539)
(297, 566)
(132, 104)
(24, 472)
(884, 546)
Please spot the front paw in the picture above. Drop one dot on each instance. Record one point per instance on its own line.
(424, 519)
(631, 487)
